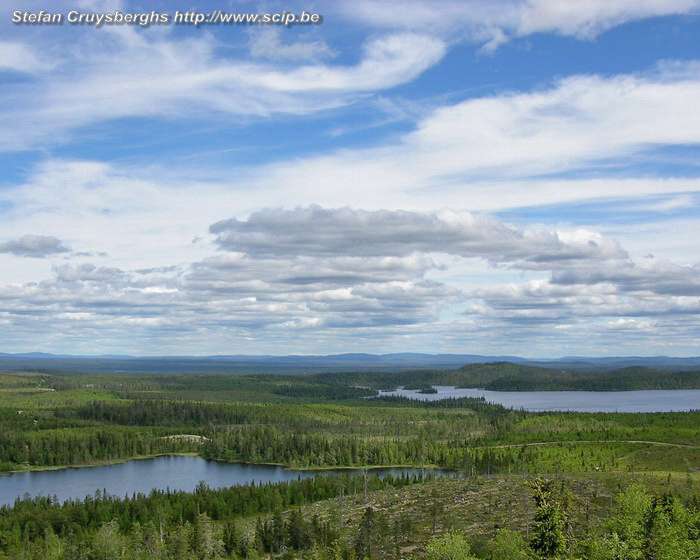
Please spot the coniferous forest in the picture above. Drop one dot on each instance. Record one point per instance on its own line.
(529, 485)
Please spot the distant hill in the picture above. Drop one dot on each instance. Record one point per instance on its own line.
(314, 364)
(508, 376)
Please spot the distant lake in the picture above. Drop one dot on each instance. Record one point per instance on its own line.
(175, 472)
(579, 401)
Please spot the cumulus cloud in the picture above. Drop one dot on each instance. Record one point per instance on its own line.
(326, 291)
(619, 295)
(306, 273)
(629, 324)
(658, 277)
(624, 290)
(330, 271)
(86, 271)
(36, 246)
(216, 298)
(239, 291)
(322, 232)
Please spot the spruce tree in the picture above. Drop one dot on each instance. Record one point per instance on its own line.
(549, 538)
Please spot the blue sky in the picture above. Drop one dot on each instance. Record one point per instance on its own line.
(501, 177)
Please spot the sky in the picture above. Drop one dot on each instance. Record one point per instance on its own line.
(502, 177)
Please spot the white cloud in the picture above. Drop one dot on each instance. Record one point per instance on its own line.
(493, 22)
(324, 232)
(627, 324)
(586, 20)
(131, 74)
(387, 62)
(369, 277)
(37, 246)
(359, 273)
(493, 151)
(658, 235)
(20, 57)
(86, 272)
(266, 42)
(658, 277)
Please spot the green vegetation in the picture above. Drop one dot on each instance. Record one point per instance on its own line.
(598, 517)
(537, 485)
(506, 376)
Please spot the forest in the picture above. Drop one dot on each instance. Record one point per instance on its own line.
(507, 376)
(530, 484)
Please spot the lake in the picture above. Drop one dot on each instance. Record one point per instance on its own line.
(176, 472)
(579, 401)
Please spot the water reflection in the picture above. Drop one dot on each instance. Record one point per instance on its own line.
(579, 401)
(168, 472)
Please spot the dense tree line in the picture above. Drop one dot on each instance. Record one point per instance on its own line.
(476, 404)
(626, 379)
(267, 444)
(209, 524)
(498, 376)
(464, 434)
(507, 376)
(377, 419)
(473, 375)
(323, 390)
(149, 412)
(176, 524)
(81, 446)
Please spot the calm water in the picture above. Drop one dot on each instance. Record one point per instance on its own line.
(170, 471)
(581, 401)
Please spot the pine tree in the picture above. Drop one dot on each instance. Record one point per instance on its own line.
(549, 538)
(279, 533)
(179, 542)
(365, 533)
(205, 542)
(231, 538)
(297, 533)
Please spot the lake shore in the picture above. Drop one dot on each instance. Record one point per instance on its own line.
(107, 462)
(100, 463)
(172, 473)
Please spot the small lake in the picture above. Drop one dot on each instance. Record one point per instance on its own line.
(579, 401)
(176, 472)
